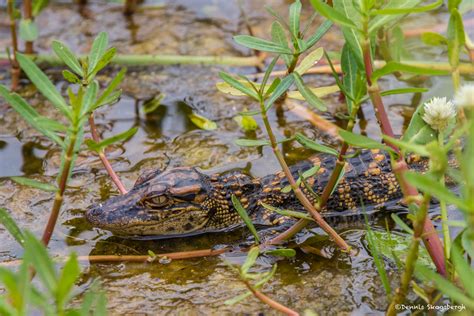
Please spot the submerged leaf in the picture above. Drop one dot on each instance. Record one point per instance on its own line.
(202, 122)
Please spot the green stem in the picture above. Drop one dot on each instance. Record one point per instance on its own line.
(143, 60)
(444, 211)
(58, 200)
(412, 256)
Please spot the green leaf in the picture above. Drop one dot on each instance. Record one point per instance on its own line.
(104, 60)
(401, 223)
(29, 114)
(202, 122)
(251, 142)
(11, 226)
(38, 6)
(309, 96)
(395, 246)
(406, 10)
(467, 241)
(247, 123)
(245, 217)
(70, 77)
(320, 92)
(353, 85)
(446, 286)
(288, 213)
(111, 140)
(239, 85)
(403, 90)
(89, 98)
(152, 104)
(282, 87)
(35, 184)
(28, 30)
(68, 57)
(261, 44)
(284, 252)
(308, 143)
(110, 88)
(310, 60)
(387, 20)
(279, 37)
(322, 29)
(456, 37)
(362, 141)
(68, 277)
(434, 39)
(98, 49)
(270, 67)
(42, 82)
(463, 268)
(406, 146)
(353, 36)
(252, 256)
(418, 131)
(331, 14)
(392, 67)
(429, 185)
(305, 175)
(370, 236)
(35, 252)
(295, 12)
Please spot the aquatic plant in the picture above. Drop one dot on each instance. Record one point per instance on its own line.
(55, 292)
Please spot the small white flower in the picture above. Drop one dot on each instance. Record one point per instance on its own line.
(465, 96)
(438, 113)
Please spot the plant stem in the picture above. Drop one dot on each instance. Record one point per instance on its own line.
(412, 256)
(103, 158)
(129, 7)
(464, 68)
(144, 60)
(431, 238)
(267, 300)
(296, 189)
(28, 15)
(444, 211)
(58, 200)
(15, 70)
(340, 163)
(138, 258)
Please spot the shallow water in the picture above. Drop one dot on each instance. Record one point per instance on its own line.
(166, 138)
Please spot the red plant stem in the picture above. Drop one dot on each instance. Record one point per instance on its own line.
(103, 158)
(15, 67)
(267, 300)
(430, 236)
(340, 242)
(58, 200)
(139, 258)
(28, 15)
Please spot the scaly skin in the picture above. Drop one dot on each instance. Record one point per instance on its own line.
(183, 201)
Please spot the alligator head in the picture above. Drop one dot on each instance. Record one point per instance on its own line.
(177, 202)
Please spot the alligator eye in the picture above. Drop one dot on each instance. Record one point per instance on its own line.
(158, 200)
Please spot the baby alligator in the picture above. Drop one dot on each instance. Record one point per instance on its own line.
(183, 201)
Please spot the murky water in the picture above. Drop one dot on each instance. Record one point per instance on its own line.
(167, 138)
